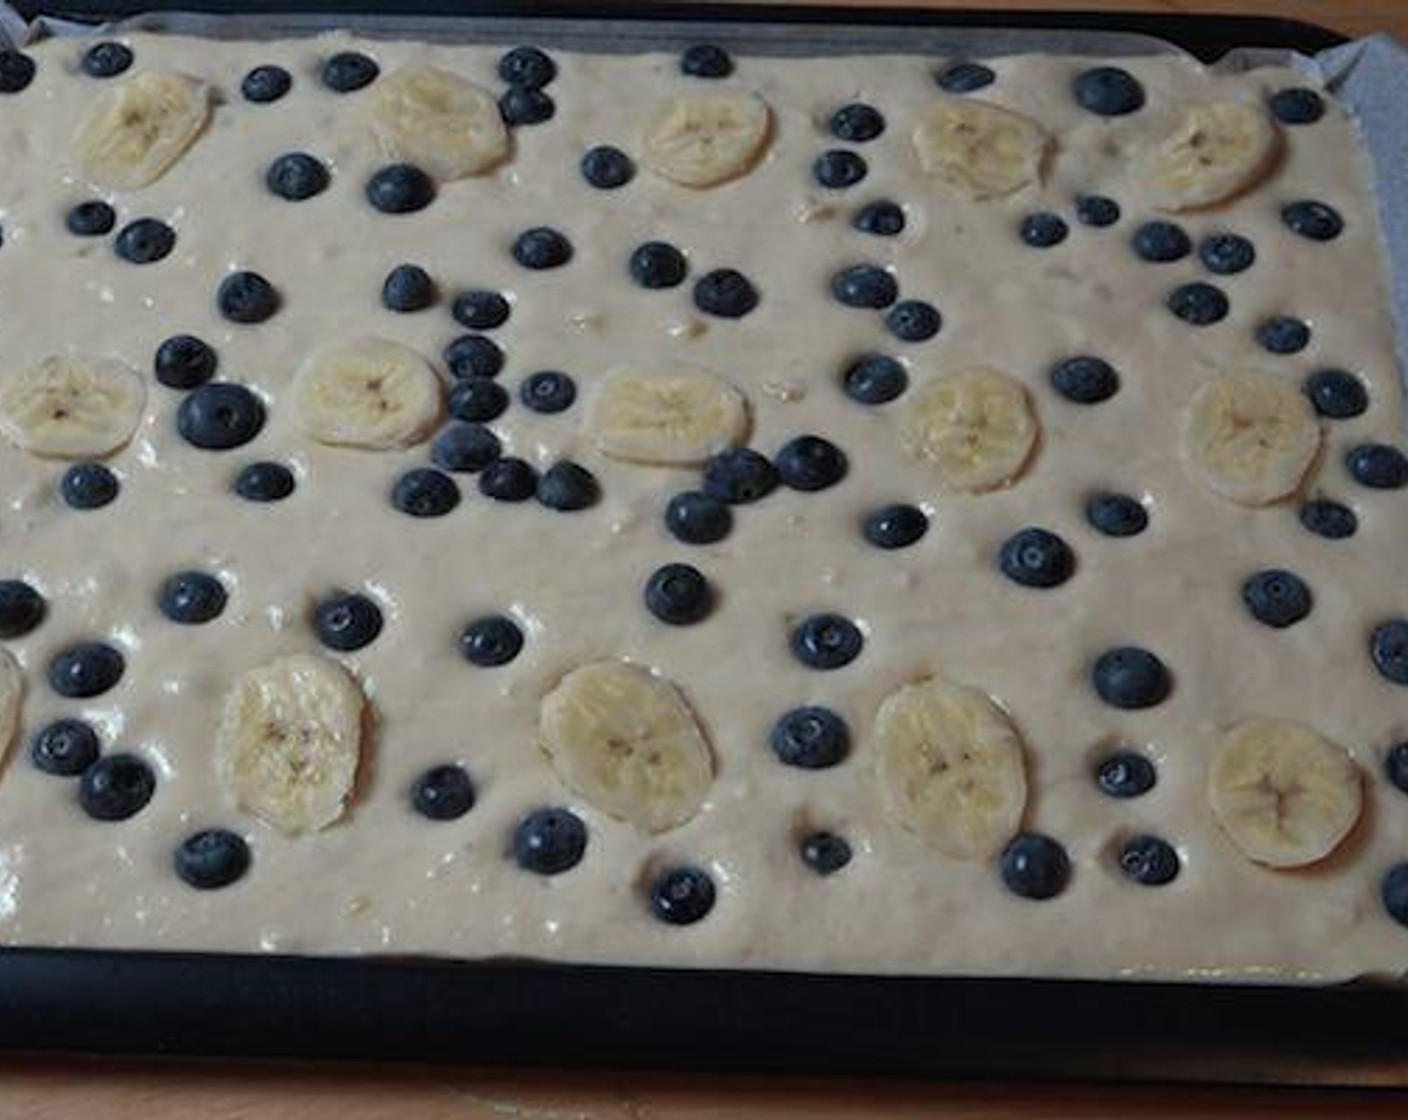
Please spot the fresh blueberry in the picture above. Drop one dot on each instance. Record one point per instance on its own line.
(1388, 646)
(507, 479)
(88, 486)
(184, 361)
(1108, 91)
(695, 518)
(85, 669)
(541, 247)
(264, 84)
(811, 738)
(682, 896)
(657, 264)
(1116, 515)
(1297, 105)
(116, 787)
(144, 241)
(1085, 379)
(856, 123)
(568, 487)
(1036, 558)
(16, 71)
(191, 598)
(407, 287)
(1043, 230)
(1379, 466)
(474, 355)
(1283, 334)
(520, 106)
(423, 492)
(106, 60)
(810, 463)
(825, 852)
(1336, 394)
(1160, 243)
(964, 77)
(491, 641)
(246, 297)
(211, 859)
(219, 415)
(91, 219)
(864, 285)
(1035, 866)
(1316, 221)
(913, 320)
(481, 310)
(1331, 520)
(705, 60)
(1149, 861)
(726, 293)
(264, 482)
(1396, 766)
(839, 168)
(528, 67)
(296, 176)
(1131, 678)
(443, 793)
(882, 218)
(547, 391)
(607, 168)
(874, 379)
(739, 476)
(1097, 211)
(826, 641)
(895, 526)
(22, 609)
(470, 446)
(348, 71)
(549, 841)
(1125, 774)
(400, 188)
(65, 748)
(478, 399)
(1393, 890)
(347, 621)
(1198, 303)
(1226, 253)
(678, 594)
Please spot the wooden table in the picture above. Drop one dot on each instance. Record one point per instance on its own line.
(58, 1089)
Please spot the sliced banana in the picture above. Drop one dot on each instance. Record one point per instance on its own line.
(701, 140)
(11, 698)
(978, 149)
(627, 741)
(1217, 150)
(367, 392)
(950, 767)
(138, 128)
(1250, 436)
(438, 121)
(976, 426)
(72, 406)
(289, 742)
(672, 415)
(1284, 794)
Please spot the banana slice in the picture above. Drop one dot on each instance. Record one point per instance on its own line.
(676, 415)
(289, 741)
(438, 121)
(1284, 794)
(368, 392)
(1217, 150)
(72, 407)
(950, 767)
(975, 425)
(701, 140)
(1251, 436)
(979, 150)
(11, 698)
(138, 128)
(628, 742)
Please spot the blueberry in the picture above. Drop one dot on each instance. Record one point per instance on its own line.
(1125, 774)
(1331, 520)
(1297, 105)
(400, 188)
(825, 852)
(528, 67)
(219, 415)
(16, 71)
(541, 247)
(657, 264)
(811, 738)
(1108, 91)
(1388, 646)
(607, 168)
(1149, 861)
(826, 641)
(964, 77)
(1036, 558)
(1198, 303)
(1396, 766)
(882, 218)
(264, 482)
(144, 241)
(443, 793)
(211, 859)
(478, 399)
(491, 641)
(191, 598)
(725, 292)
(705, 60)
(1116, 515)
(520, 106)
(347, 621)
(839, 168)
(474, 355)
(116, 787)
(810, 463)
(1160, 243)
(1336, 394)
(1085, 379)
(874, 379)
(1378, 466)
(22, 609)
(568, 487)
(85, 669)
(1131, 678)
(682, 896)
(348, 71)
(547, 391)
(695, 518)
(549, 841)
(423, 492)
(481, 310)
(1393, 890)
(466, 447)
(407, 287)
(246, 297)
(1316, 221)
(913, 320)
(678, 594)
(65, 748)
(1283, 334)
(856, 123)
(1096, 210)
(1226, 253)
(184, 361)
(266, 83)
(896, 526)
(91, 219)
(1035, 866)
(88, 486)
(739, 476)
(106, 60)
(864, 285)
(1043, 230)
(508, 480)
(296, 176)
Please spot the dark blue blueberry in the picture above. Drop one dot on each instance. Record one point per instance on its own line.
(568, 487)
(874, 379)
(705, 60)
(549, 841)
(16, 71)
(407, 287)
(882, 218)
(1316, 221)
(1297, 105)
(856, 123)
(296, 176)
(810, 463)
(695, 518)
(1336, 394)
(678, 594)
(144, 241)
(481, 310)
(1035, 866)
(738, 476)
(106, 60)
(682, 896)
(864, 285)
(1331, 520)
(264, 482)
(85, 669)
(1125, 774)
(547, 391)
(507, 479)
(219, 415)
(211, 859)
(1283, 334)
(65, 748)
(1160, 243)
(528, 67)
(1096, 210)
(519, 106)
(264, 84)
(22, 609)
(541, 247)
(1131, 678)
(191, 598)
(1198, 303)
(1036, 558)
(810, 738)
(607, 168)
(1149, 861)
(347, 621)
(725, 292)
(478, 399)
(91, 219)
(491, 641)
(1393, 890)
(466, 446)
(184, 361)
(1085, 379)
(116, 787)
(1388, 646)
(657, 264)
(825, 852)
(246, 297)
(1396, 766)
(913, 320)
(443, 793)
(826, 641)
(348, 71)
(1116, 515)
(1108, 91)
(1378, 466)
(896, 526)
(1226, 253)
(474, 355)
(964, 77)
(1043, 230)
(88, 486)
(422, 492)
(839, 168)
(400, 188)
